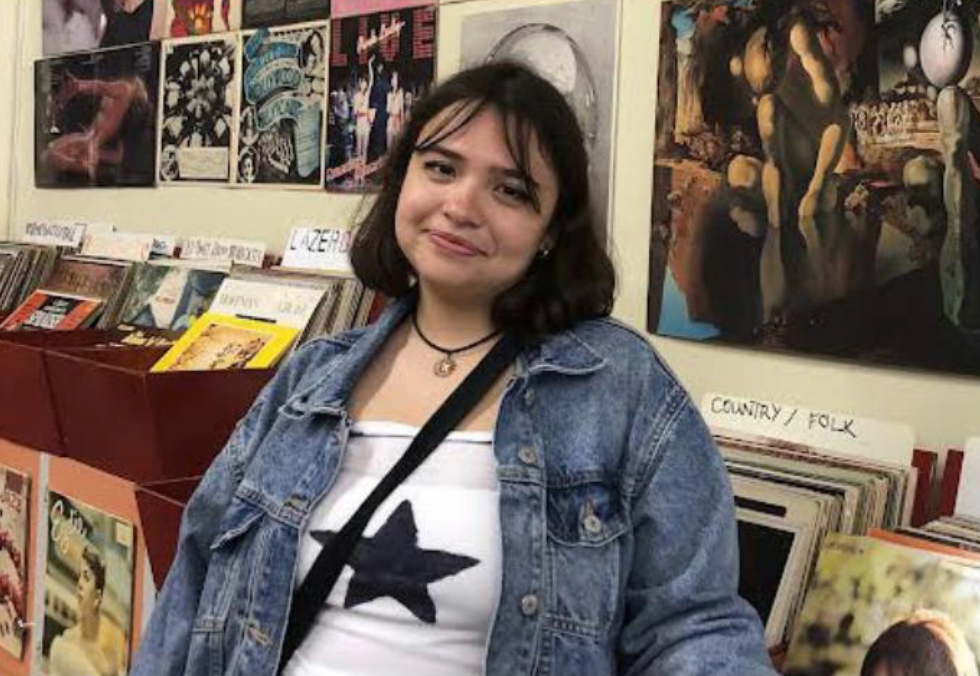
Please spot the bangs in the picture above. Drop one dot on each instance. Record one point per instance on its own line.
(518, 135)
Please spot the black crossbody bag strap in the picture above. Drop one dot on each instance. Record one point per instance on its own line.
(310, 597)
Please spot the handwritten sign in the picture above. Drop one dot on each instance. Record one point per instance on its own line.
(837, 432)
(127, 246)
(54, 233)
(325, 249)
(241, 251)
(163, 245)
(968, 497)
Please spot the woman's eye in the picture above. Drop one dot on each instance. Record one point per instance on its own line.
(515, 193)
(438, 168)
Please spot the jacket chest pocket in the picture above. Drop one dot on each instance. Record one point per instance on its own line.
(237, 555)
(586, 521)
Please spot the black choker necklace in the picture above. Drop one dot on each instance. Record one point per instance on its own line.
(446, 365)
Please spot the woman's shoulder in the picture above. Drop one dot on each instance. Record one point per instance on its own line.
(622, 347)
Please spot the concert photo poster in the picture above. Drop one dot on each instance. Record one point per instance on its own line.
(88, 583)
(197, 107)
(281, 107)
(95, 118)
(381, 64)
(571, 44)
(84, 25)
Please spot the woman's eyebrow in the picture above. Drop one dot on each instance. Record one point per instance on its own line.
(509, 172)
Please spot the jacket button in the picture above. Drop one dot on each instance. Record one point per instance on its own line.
(529, 605)
(593, 524)
(528, 396)
(528, 455)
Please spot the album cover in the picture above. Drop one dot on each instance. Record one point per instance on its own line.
(95, 116)
(264, 13)
(88, 590)
(48, 311)
(197, 106)
(187, 18)
(14, 534)
(808, 194)
(381, 64)
(281, 103)
(573, 45)
(169, 297)
(84, 25)
(220, 342)
(86, 277)
(875, 608)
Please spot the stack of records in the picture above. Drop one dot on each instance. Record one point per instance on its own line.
(957, 533)
(22, 267)
(106, 280)
(166, 297)
(49, 311)
(878, 607)
(283, 299)
(788, 499)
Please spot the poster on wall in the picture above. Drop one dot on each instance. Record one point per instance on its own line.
(84, 25)
(196, 129)
(281, 106)
(381, 64)
(187, 18)
(263, 13)
(95, 116)
(815, 184)
(571, 44)
(88, 590)
(14, 529)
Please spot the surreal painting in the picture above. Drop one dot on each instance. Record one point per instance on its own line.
(816, 175)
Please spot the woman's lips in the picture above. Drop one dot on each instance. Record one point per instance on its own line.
(452, 244)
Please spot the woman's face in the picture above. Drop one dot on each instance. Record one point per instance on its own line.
(86, 591)
(465, 220)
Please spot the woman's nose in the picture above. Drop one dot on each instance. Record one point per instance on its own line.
(462, 203)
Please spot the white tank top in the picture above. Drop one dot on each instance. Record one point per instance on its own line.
(420, 592)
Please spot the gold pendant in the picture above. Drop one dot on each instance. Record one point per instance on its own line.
(445, 366)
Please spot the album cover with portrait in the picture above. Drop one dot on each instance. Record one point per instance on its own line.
(381, 64)
(281, 107)
(874, 607)
(169, 297)
(88, 590)
(95, 118)
(197, 106)
(14, 533)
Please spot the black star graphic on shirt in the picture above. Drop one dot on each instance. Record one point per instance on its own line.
(391, 564)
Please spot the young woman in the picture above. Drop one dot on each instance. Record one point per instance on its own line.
(579, 519)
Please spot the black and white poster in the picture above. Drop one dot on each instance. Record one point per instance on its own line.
(381, 64)
(197, 106)
(94, 117)
(573, 45)
(282, 100)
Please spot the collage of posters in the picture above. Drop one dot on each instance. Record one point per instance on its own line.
(196, 127)
(280, 126)
(88, 590)
(814, 178)
(96, 117)
(14, 524)
(380, 65)
(572, 45)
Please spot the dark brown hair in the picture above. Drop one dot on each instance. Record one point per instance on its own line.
(576, 280)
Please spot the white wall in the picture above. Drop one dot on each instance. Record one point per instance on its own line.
(8, 49)
(944, 410)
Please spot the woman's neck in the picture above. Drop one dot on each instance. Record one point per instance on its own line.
(450, 323)
(89, 626)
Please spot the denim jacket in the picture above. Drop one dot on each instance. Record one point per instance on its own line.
(618, 530)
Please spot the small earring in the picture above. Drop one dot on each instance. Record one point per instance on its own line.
(544, 252)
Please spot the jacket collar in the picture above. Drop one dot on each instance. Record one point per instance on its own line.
(564, 353)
